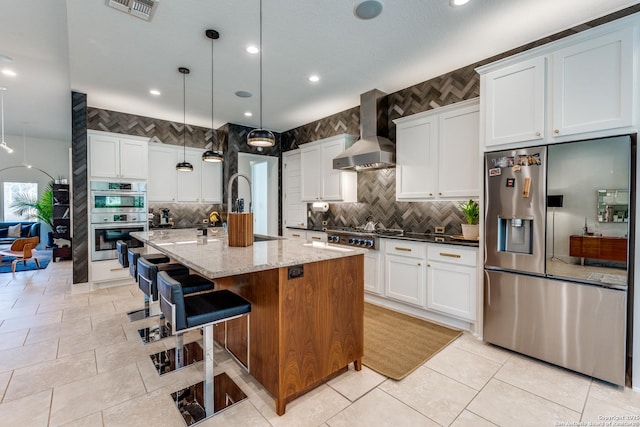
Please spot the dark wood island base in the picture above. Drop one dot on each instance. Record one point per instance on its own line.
(306, 324)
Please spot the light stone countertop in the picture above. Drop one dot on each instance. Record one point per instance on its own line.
(216, 259)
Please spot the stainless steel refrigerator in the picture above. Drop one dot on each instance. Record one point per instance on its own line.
(548, 293)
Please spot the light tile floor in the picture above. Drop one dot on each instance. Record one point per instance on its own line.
(74, 359)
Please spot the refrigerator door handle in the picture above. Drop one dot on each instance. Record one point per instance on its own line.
(488, 287)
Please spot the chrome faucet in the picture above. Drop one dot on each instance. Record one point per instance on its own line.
(233, 178)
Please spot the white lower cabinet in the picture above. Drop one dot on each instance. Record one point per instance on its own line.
(306, 235)
(371, 272)
(434, 281)
(405, 271)
(452, 281)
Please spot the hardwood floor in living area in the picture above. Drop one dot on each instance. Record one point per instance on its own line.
(70, 358)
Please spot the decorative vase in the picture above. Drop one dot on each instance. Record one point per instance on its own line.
(470, 231)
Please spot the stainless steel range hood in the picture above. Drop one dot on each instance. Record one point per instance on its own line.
(371, 151)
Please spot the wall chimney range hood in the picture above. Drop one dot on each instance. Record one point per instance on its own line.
(371, 151)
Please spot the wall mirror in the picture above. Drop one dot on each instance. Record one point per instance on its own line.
(613, 205)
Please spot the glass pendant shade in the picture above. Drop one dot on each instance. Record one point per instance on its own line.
(261, 138)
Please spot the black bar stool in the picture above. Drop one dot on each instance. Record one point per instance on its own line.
(147, 283)
(133, 254)
(188, 312)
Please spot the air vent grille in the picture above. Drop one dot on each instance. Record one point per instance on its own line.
(142, 9)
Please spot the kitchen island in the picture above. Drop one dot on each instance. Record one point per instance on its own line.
(307, 304)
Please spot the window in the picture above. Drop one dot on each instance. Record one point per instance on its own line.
(17, 192)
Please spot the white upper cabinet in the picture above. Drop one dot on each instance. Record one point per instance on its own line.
(166, 184)
(437, 153)
(593, 84)
(582, 85)
(294, 209)
(210, 182)
(161, 185)
(189, 182)
(416, 158)
(114, 156)
(515, 102)
(319, 180)
(458, 163)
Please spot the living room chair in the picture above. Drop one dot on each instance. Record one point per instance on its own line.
(22, 250)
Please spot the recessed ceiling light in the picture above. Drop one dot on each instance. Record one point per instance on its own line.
(314, 78)
(5, 58)
(456, 3)
(368, 9)
(248, 113)
(244, 94)
(154, 92)
(252, 49)
(8, 72)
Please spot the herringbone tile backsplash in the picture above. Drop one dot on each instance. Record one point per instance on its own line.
(377, 197)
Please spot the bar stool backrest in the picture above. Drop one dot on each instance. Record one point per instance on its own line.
(122, 249)
(172, 301)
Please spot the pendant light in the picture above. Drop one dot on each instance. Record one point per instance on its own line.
(211, 155)
(3, 144)
(261, 137)
(184, 166)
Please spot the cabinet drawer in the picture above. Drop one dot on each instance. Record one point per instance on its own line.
(405, 248)
(108, 270)
(294, 233)
(452, 255)
(316, 236)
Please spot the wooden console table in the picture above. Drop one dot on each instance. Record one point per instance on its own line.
(598, 247)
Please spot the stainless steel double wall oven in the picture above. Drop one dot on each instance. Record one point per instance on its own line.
(116, 209)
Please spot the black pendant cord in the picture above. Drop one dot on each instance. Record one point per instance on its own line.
(260, 64)
(184, 117)
(213, 131)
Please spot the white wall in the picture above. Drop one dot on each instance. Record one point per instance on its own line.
(52, 156)
(577, 171)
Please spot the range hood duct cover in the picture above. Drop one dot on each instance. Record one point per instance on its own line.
(371, 151)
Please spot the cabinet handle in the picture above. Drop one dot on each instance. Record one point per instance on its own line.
(429, 265)
(316, 238)
(556, 131)
(450, 255)
(419, 264)
(295, 235)
(117, 269)
(399, 248)
(430, 194)
(439, 194)
(537, 133)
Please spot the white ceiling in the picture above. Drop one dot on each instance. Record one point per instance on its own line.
(114, 58)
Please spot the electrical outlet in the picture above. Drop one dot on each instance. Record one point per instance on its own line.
(324, 222)
(439, 230)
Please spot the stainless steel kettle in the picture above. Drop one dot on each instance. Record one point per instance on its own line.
(370, 225)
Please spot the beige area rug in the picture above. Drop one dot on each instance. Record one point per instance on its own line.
(396, 344)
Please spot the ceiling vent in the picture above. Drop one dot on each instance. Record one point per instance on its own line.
(142, 9)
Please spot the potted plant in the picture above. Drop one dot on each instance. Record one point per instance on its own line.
(40, 208)
(471, 211)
